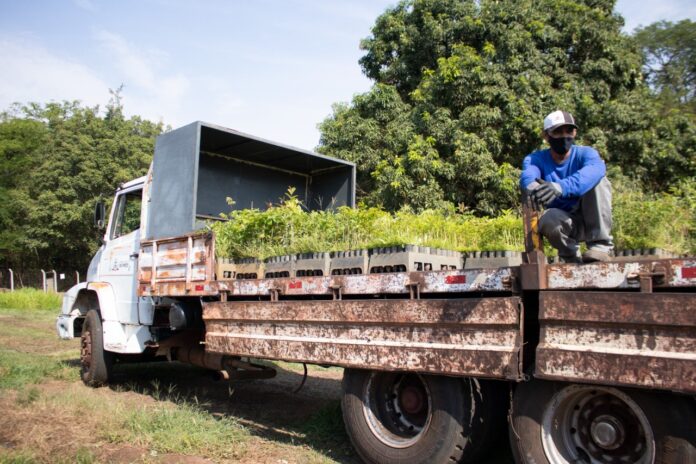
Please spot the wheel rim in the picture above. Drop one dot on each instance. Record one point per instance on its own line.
(86, 351)
(596, 425)
(397, 408)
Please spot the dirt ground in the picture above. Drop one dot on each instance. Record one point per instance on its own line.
(285, 426)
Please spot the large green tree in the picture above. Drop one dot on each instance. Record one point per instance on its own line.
(55, 161)
(670, 61)
(461, 87)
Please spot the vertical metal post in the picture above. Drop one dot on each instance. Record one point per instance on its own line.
(11, 280)
(55, 281)
(77, 277)
(43, 276)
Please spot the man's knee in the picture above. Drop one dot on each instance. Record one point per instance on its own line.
(599, 197)
(553, 221)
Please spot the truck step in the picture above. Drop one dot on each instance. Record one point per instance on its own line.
(408, 258)
(492, 259)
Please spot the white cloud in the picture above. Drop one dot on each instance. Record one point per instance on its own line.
(31, 73)
(149, 90)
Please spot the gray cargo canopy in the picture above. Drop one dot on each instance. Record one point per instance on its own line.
(198, 166)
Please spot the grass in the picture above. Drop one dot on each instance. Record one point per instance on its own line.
(30, 299)
(170, 424)
(326, 426)
(181, 427)
(641, 220)
(19, 370)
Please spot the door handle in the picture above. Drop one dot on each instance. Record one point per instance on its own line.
(134, 255)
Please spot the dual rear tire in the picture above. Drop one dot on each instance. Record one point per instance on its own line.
(396, 417)
(557, 423)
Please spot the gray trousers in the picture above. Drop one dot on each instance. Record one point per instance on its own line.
(589, 222)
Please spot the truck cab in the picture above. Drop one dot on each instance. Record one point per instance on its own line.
(195, 169)
(111, 277)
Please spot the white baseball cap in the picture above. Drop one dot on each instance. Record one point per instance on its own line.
(557, 119)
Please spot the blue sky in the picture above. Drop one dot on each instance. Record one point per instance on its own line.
(271, 68)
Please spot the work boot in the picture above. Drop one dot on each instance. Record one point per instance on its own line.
(593, 255)
(572, 259)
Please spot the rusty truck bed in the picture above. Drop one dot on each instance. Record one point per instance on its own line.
(621, 323)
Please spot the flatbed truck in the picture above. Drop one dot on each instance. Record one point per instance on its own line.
(592, 363)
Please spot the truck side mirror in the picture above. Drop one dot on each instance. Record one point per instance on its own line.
(100, 215)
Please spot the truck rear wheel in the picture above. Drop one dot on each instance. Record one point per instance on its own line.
(396, 417)
(562, 423)
(95, 363)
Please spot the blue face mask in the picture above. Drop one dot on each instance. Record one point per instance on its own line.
(561, 145)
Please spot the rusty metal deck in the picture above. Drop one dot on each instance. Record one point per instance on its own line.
(665, 273)
(633, 339)
(473, 337)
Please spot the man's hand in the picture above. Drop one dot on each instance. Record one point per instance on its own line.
(545, 193)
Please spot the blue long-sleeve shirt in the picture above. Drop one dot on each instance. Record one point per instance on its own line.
(577, 175)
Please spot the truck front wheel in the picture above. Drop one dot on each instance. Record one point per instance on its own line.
(396, 417)
(562, 423)
(95, 363)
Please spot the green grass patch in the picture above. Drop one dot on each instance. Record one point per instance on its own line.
(180, 428)
(30, 299)
(326, 425)
(17, 370)
(641, 220)
(21, 457)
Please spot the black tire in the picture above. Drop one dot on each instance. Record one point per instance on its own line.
(486, 422)
(394, 417)
(553, 422)
(95, 362)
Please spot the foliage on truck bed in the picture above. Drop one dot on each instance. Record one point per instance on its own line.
(640, 221)
(287, 228)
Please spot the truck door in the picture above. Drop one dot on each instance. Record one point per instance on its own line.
(119, 262)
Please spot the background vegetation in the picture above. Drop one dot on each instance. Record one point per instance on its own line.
(56, 160)
(30, 298)
(460, 89)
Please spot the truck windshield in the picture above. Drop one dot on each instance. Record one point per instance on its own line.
(127, 217)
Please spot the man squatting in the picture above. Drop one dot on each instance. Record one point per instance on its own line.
(569, 182)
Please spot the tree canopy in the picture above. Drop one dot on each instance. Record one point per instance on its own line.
(55, 161)
(461, 88)
(670, 61)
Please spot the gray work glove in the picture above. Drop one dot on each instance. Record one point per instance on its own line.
(530, 195)
(545, 193)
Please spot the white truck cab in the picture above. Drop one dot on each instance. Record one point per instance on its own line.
(111, 286)
(194, 170)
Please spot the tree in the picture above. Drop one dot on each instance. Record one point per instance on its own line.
(461, 88)
(670, 61)
(58, 159)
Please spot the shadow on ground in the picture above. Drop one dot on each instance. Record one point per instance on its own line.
(267, 408)
(270, 409)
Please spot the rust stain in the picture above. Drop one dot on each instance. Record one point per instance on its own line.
(618, 338)
(501, 310)
(667, 273)
(98, 285)
(477, 336)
